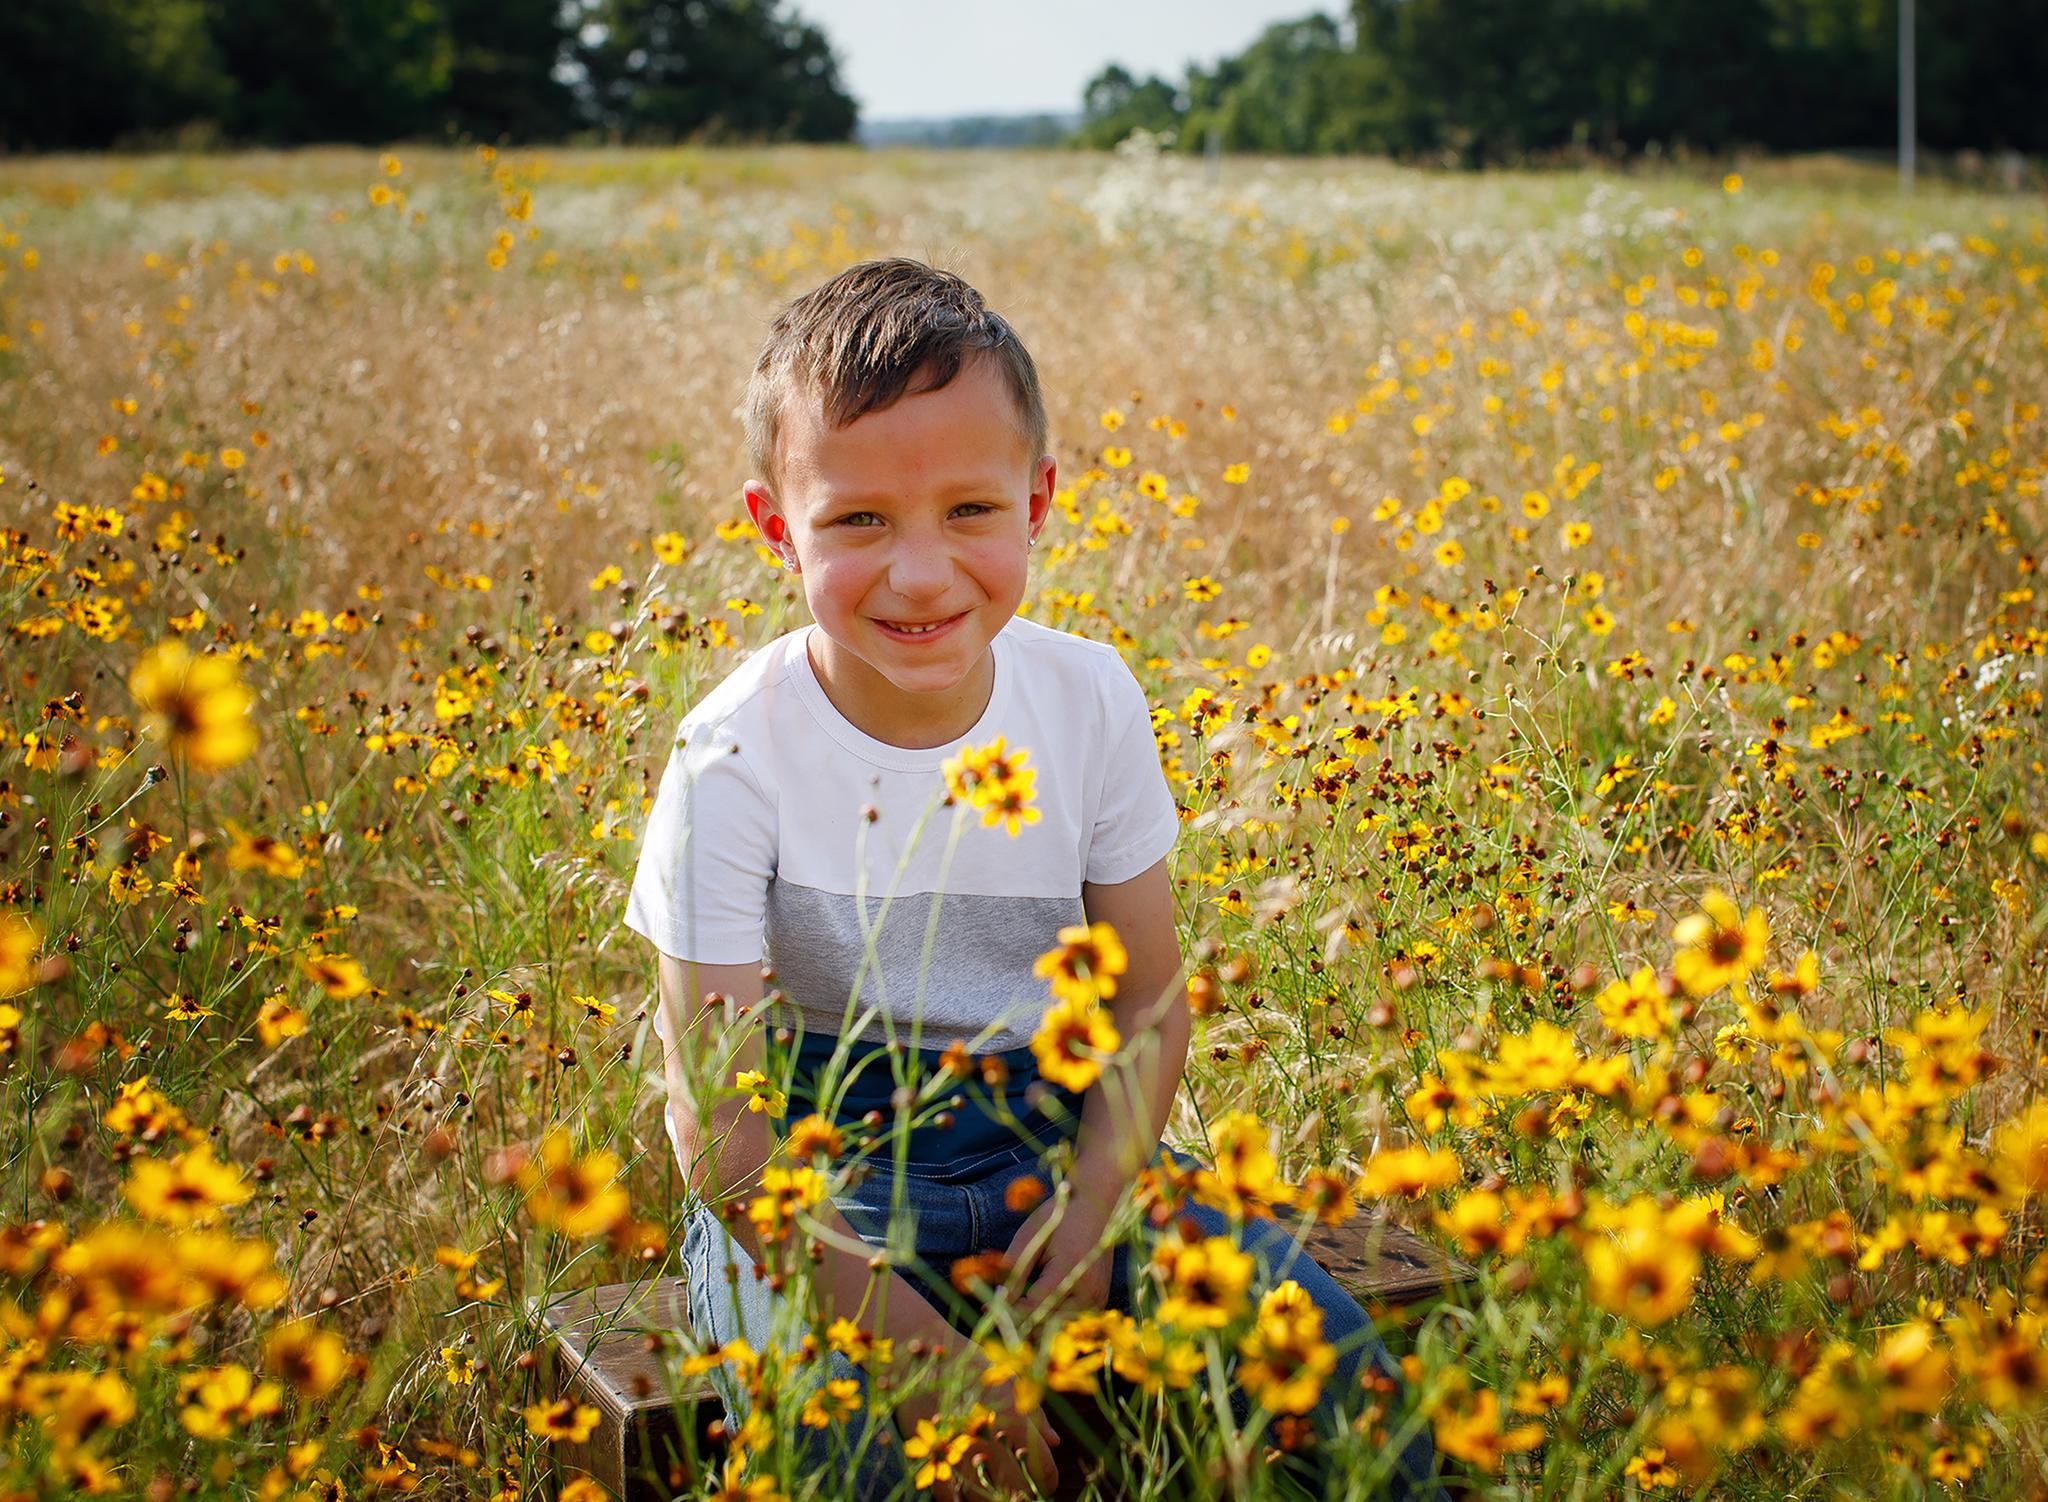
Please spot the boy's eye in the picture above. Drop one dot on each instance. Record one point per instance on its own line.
(853, 517)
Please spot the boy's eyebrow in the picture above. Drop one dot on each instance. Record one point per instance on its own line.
(979, 489)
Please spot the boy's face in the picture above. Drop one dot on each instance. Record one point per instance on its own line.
(918, 514)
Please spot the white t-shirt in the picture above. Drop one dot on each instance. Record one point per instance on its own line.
(756, 848)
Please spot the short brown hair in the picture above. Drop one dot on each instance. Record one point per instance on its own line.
(863, 337)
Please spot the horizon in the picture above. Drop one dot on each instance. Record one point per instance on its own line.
(948, 77)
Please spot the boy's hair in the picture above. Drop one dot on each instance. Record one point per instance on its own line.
(859, 340)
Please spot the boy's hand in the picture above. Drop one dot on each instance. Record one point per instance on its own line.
(1060, 1244)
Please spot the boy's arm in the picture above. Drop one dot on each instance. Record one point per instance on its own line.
(705, 1047)
(1124, 1112)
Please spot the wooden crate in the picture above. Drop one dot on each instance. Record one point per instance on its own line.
(608, 1359)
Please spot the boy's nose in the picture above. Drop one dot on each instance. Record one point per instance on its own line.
(920, 570)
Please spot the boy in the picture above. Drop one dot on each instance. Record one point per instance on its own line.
(898, 437)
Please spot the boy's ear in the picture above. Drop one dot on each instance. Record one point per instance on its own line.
(1044, 479)
(767, 519)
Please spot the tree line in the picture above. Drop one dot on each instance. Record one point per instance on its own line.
(86, 74)
(1502, 80)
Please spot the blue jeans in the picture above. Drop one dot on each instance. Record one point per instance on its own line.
(959, 1210)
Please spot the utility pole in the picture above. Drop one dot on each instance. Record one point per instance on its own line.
(1906, 96)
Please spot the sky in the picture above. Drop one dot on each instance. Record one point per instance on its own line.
(932, 58)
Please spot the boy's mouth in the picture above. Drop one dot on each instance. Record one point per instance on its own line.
(919, 630)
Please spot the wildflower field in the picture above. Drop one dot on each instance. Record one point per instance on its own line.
(1595, 639)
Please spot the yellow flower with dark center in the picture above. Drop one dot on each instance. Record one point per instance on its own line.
(761, 1096)
(1246, 1176)
(1652, 1470)
(84, 1405)
(1640, 1274)
(1087, 963)
(562, 1420)
(1203, 1283)
(262, 852)
(191, 1189)
(198, 705)
(1718, 946)
(837, 1401)
(314, 1361)
(578, 1196)
(1147, 1357)
(1073, 1039)
(222, 1399)
(996, 781)
(943, 1450)
(1408, 1172)
(1284, 1358)
(336, 974)
(1636, 1007)
(1471, 1432)
(180, 1007)
(784, 1192)
(812, 1135)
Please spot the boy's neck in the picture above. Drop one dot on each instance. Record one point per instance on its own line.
(876, 707)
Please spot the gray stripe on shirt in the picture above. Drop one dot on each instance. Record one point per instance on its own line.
(979, 972)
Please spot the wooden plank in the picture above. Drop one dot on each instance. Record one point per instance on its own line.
(608, 1360)
(1378, 1261)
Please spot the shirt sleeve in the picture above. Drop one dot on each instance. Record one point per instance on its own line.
(700, 892)
(1137, 820)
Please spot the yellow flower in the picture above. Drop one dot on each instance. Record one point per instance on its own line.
(1072, 1040)
(784, 1191)
(1086, 964)
(578, 1196)
(1203, 1282)
(813, 1135)
(563, 1419)
(1285, 1359)
(197, 704)
(1472, 1433)
(2021, 1148)
(1236, 474)
(262, 852)
(1732, 183)
(1201, 588)
(225, 1398)
(1718, 946)
(996, 781)
(191, 1189)
(1409, 1172)
(1640, 1273)
(313, 1360)
(763, 1096)
(1636, 1007)
(18, 941)
(838, 1400)
(336, 974)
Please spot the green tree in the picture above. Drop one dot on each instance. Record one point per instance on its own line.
(665, 70)
(334, 70)
(1115, 104)
(502, 77)
(91, 73)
